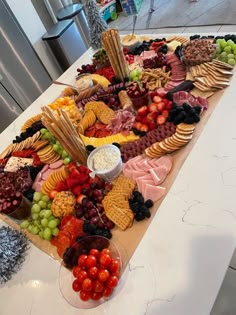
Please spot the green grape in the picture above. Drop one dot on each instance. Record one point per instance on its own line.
(35, 216)
(44, 222)
(52, 224)
(30, 227)
(41, 214)
(218, 50)
(47, 234)
(51, 218)
(37, 222)
(49, 204)
(36, 208)
(230, 42)
(44, 137)
(233, 47)
(223, 54)
(37, 196)
(64, 154)
(43, 131)
(227, 49)
(58, 221)
(231, 62)
(24, 224)
(55, 231)
(58, 143)
(48, 135)
(35, 230)
(47, 213)
(66, 161)
(41, 234)
(60, 151)
(223, 43)
(56, 147)
(230, 56)
(42, 204)
(45, 198)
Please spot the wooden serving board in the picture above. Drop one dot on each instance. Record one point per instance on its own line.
(136, 232)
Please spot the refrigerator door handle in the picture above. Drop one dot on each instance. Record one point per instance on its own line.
(1, 78)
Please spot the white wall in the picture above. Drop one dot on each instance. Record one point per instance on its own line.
(30, 22)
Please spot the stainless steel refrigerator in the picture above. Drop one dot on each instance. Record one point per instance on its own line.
(22, 75)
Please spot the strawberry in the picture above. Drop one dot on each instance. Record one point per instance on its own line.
(144, 128)
(74, 173)
(153, 93)
(139, 118)
(152, 116)
(137, 125)
(52, 194)
(169, 105)
(156, 99)
(61, 186)
(152, 125)
(146, 121)
(84, 169)
(165, 113)
(161, 106)
(72, 182)
(142, 111)
(152, 107)
(76, 190)
(161, 120)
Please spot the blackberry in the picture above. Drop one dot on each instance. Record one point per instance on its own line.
(196, 118)
(189, 120)
(29, 194)
(187, 107)
(135, 207)
(90, 148)
(91, 228)
(116, 144)
(147, 213)
(107, 234)
(139, 216)
(149, 203)
(198, 109)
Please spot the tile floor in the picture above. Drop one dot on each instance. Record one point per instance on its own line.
(225, 303)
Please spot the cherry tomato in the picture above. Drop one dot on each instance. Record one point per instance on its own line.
(106, 251)
(96, 296)
(107, 292)
(76, 285)
(76, 270)
(91, 261)
(114, 266)
(81, 260)
(82, 275)
(98, 286)
(94, 252)
(112, 282)
(103, 275)
(87, 285)
(93, 272)
(85, 296)
(105, 260)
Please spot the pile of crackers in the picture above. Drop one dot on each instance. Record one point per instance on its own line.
(182, 135)
(30, 122)
(47, 155)
(52, 180)
(112, 45)
(23, 145)
(156, 78)
(116, 202)
(95, 110)
(211, 76)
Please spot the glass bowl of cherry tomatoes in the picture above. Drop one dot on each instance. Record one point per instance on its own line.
(90, 273)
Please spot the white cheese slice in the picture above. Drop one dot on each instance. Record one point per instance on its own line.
(14, 163)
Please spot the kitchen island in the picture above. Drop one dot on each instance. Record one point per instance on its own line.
(179, 265)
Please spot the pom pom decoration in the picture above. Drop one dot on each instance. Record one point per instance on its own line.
(13, 248)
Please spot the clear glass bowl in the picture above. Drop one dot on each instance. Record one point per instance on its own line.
(66, 277)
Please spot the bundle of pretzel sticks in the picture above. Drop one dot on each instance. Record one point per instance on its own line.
(60, 125)
(112, 45)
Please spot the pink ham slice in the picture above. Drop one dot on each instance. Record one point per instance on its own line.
(37, 186)
(137, 174)
(128, 172)
(154, 193)
(45, 168)
(144, 183)
(158, 174)
(56, 164)
(162, 161)
(46, 174)
(132, 162)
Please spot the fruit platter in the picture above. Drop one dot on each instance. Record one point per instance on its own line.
(99, 160)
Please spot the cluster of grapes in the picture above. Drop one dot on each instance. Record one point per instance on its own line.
(42, 221)
(29, 132)
(156, 62)
(91, 209)
(57, 147)
(87, 69)
(226, 51)
(134, 90)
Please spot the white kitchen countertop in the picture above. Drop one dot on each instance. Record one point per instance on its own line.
(179, 266)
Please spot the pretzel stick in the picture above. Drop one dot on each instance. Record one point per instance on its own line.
(120, 54)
